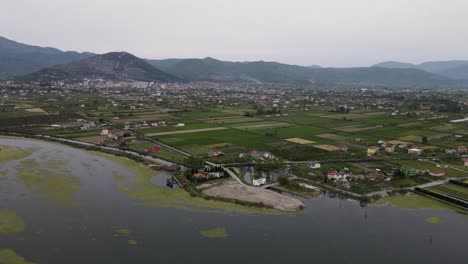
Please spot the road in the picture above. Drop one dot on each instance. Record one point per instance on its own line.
(162, 145)
(231, 173)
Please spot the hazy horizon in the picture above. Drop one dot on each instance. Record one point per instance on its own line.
(333, 33)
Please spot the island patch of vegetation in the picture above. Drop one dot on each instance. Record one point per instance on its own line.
(215, 233)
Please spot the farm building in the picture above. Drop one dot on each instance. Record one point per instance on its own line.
(259, 182)
(415, 151)
(437, 173)
(343, 148)
(462, 149)
(408, 171)
(390, 148)
(372, 150)
(215, 153)
(314, 165)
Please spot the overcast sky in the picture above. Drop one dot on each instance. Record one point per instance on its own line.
(304, 32)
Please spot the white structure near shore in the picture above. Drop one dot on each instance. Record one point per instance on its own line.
(459, 120)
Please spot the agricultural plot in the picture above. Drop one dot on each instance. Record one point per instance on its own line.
(260, 125)
(327, 147)
(355, 128)
(206, 115)
(300, 141)
(305, 132)
(197, 143)
(332, 137)
(191, 131)
(140, 118)
(232, 120)
(451, 190)
(352, 116)
(172, 128)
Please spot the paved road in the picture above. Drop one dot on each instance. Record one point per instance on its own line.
(231, 173)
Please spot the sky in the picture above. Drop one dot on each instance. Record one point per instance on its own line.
(330, 33)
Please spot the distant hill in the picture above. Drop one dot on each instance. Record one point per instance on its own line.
(34, 63)
(209, 69)
(19, 59)
(111, 66)
(457, 69)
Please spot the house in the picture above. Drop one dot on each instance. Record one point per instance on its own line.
(215, 153)
(466, 162)
(314, 165)
(390, 148)
(415, 151)
(343, 148)
(200, 176)
(450, 151)
(104, 132)
(437, 173)
(462, 149)
(153, 149)
(332, 174)
(180, 125)
(259, 182)
(372, 150)
(408, 171)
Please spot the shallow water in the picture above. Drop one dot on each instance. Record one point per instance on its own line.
(106, 223)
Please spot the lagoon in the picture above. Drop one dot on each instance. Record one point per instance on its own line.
(83, 207)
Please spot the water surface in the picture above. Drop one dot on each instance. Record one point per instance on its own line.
(103, 225)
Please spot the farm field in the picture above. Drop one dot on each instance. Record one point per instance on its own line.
(451, 190)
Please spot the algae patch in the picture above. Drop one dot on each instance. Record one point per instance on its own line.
(132, 242)
(434, 220)
(56, 186)
(8, 256)
(214, 233)
(10, 154)
(122, 232)
(413, 201)
(10, 222)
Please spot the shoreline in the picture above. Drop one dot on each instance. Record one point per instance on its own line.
(144, 161)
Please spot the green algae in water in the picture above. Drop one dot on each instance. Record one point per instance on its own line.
(413, 201)
(8, 256)
(122, 232)
(214, 233)
(132, 242)
(10, 154)
(434, 220)
(57, 187)
(140, 188)
(10, 222)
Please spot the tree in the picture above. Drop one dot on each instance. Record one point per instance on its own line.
(424, 139)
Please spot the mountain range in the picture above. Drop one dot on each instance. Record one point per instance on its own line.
(457, 69)
(17, 59)
(31, 63)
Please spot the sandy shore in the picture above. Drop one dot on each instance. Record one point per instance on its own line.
(234, 190)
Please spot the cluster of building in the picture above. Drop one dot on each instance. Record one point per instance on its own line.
(209, 173)
(257, 155)
(344, 177)
(382, 145)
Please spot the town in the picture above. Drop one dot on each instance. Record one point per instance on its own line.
(361, 142)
